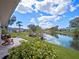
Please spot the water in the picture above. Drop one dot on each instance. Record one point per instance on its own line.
(62, 40)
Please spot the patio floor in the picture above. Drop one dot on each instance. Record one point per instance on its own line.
(4, 49)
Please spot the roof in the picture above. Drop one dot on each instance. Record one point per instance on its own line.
(7, 8)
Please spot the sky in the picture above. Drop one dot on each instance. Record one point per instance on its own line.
(46, 13)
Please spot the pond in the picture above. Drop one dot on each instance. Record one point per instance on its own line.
(62, 40)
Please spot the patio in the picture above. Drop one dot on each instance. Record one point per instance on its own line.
(4, 49)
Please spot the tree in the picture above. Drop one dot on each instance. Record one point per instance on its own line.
(19, 24)
(12, 20)
(39, 29)
(32, 27)
(74, 23)
(33, 30)
(53, 30)
(75, 42)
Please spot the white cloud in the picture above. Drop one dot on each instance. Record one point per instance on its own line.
(73, 17)
(73, 8)
(45, 5)
(46, 18)
(57, 18)
(46, 21)
(27, 3)
(23, 9)
(33, 21)
(62, 6)
(45, 25)
(25, 6)
(49, 18)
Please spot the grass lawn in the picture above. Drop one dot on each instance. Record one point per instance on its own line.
(37, 49)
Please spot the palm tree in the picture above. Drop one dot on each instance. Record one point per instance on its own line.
(19, 24)
(12, 20)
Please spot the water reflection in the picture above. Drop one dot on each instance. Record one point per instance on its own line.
(62, 40)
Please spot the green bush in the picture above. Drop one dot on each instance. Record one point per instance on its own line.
(75, 44)
(4, 31)
(75, 31)
(32, 49)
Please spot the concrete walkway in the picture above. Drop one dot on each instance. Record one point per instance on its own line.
(4, 49)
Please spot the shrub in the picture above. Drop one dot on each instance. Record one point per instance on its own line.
(33, 49)
(75, 32)
(75, 44)
(4, 31)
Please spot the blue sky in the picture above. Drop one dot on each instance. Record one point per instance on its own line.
(46, 13)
